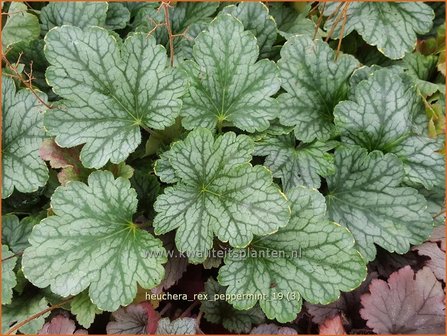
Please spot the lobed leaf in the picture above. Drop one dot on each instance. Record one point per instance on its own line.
(22, 134)
(90, 240)
(366, 197)
(314, 83)
(227, 85)
(109, 91)
(218, 193)
(315, 260)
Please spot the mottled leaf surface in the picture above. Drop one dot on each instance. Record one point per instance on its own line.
(317, 261)
(9, 280)
(296, 163)
(84, 309)
(20, 25)
(365, 196)
(15, 233)
(314, 83)
(255, 17)
(227, 85)
(133, 319)
(80, 14)
(22, 308)
(109, 91)
(22, 134)
(91, 242)
(218, 193)
(391, 26)
(380, 116)
(180, 326)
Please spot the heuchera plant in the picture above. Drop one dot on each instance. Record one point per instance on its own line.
(223, 167)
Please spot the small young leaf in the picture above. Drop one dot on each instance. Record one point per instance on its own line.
(227, 85)
(407, 304)
(90, 240)
(60, 325)
(221, 312)
(380, 116)
(315, 82)
(317, 261)
(110, 91)
(9, 280)
(23, 132)
(135, 319)
(391, 26)
(180, 326)
(218, 193)
(84, 309)
(437, 258)
(365, 196)
(20, 25)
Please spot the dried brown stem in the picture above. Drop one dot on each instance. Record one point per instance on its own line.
(13, 256)
(18, 325)
(337, 20)
(344, 14)
(27, 82)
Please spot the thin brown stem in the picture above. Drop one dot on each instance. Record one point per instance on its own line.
(13, 256)
(188, 310)
(344, 14)
(336, 21)
(18, 325)
(166, 5)
(439, 214)
(165, 308)
(27, 82)
(320, 19)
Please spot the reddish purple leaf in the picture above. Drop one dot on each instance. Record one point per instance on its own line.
(333, 326)
(406, 304)
(272, 329)
(347, 304)
(61, 325)
(438, 235)
(437, 258)
(134, 319)
(66, 159)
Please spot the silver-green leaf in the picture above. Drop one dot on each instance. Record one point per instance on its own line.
(92, 242)
(9, 280)
(391, 26)
(310, 258)
(366, 197)
(22, 134)
(380, 116)
(227, 85)
(109, 91)
(218, 193)
(314, 82)
(296, 164)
